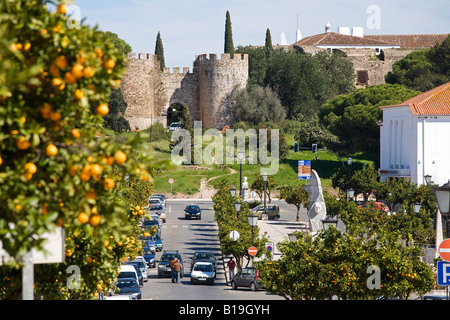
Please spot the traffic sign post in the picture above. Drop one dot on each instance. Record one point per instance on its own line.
(171, 181)
(444, 250)
(443, 273)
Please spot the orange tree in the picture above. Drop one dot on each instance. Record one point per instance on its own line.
(227, 221)
(336, 263)
(56, 168)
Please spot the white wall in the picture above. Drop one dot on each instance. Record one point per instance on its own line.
(413, 146)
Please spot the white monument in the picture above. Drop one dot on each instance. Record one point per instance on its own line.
(317, 211)
(245, 189)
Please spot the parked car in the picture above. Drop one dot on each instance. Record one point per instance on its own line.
(204, 256)
(272, 211)
(163, 263)
(203, 272)
(128, 287)
(158, 210)
(246, 277)
(149, 256)
(192, 211)
(140, 276)
(155, 201)
(174, 126)
(141, 265)
(158, 242)
(161, 197)
(129, 271)
(379, 205)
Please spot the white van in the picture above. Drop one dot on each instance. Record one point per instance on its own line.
(128, 271)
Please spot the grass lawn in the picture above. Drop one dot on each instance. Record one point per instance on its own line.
(188, 178)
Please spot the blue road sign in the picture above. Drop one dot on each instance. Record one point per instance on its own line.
(443, 273)
(304, 169)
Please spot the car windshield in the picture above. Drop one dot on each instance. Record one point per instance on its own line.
(147, 250)
(138, 262)
(192, 208)
(150, 222)
(203, 255)
(126, 274)
(203, 267)
(168, 257)
(153, 208)
(129, 283)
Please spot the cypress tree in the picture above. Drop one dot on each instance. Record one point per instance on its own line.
(159, 52)
(229, 47)
(268, 44)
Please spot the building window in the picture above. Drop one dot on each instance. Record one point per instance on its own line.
(362, 76)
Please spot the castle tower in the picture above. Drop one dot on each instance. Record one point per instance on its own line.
(216, 79)
(138, 90)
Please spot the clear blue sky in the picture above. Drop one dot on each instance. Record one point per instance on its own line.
(191, 27)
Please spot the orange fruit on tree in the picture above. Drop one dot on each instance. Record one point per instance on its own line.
(69, 78)
(77, 71)
(108, 184)
(83, 217)
(76, 133)
(61, 62)
(81, 57)
(88, 72)
(55, 116)
(120, 157)
(57, 83)
(95, 220)
(51, 150)
(61, 8)
(1, 160)
(22, 143)
(31, 168)
(28, 176)
(46, 109)
(79, 94)
(103, 109)
(98, 52)
(109, 64)
(54, 71)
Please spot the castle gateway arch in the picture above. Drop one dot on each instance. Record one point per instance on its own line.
(205, 90)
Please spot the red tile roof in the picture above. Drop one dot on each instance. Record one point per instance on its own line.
(410, 40)
(333, 38)
(435, 102)
(402, 40)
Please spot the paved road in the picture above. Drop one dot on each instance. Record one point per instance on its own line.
(188, 236)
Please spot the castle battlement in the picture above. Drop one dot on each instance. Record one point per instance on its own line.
(223, 57)
(141, 56)
(176, 70)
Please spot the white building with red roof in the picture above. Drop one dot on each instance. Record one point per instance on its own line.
(415, 137)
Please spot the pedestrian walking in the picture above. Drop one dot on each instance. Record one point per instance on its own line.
(231, 265)
(172, 269)
(177, 269)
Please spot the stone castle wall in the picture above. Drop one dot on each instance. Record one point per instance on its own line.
(205, 91)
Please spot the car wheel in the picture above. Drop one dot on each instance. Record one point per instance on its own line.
(212, 282)
(276, 218)
(185, 217)
(233, 285)
(253, 286)
(192, 281)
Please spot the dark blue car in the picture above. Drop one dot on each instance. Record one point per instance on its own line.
(128, 286)
(149, 257)
(192, 211)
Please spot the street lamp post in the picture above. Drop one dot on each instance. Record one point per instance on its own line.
(264, 176)
(443, 200)
(241, 155)
(252, 220)
(328, 221)
(233, 190)
(349, 162)
(350, 193)
(237, 207)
